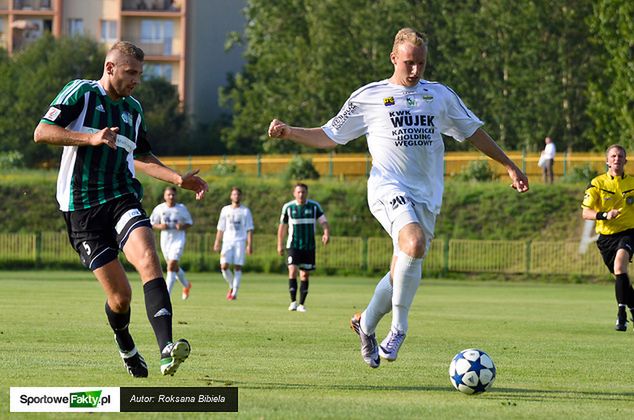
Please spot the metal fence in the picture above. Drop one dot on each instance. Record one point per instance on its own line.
(343, 254)
(352, 165)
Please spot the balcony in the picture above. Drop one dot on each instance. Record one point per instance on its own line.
(144, 6)
(30, 5)
(164, 49)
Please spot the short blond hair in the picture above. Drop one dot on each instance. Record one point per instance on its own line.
(128, 49)
(409, 35)
(616, 146)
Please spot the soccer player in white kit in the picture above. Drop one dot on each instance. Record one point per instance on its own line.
(235, 231)
(173, 219)
(402, 118)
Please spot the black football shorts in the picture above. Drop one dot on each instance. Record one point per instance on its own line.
(609, 245)
(98, 233)
(304, 259)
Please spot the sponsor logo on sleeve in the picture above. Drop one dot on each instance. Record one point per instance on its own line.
(52, 114)
(343, 116)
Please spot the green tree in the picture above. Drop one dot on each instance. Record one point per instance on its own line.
(523, 67)
(168, 129)
(612, 106)
(304, 71)
(30, 80)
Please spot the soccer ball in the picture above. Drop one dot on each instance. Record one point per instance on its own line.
(472, 371)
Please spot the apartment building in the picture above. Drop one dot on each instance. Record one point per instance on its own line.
(183, 39)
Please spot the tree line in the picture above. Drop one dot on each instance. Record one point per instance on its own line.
(529, 69)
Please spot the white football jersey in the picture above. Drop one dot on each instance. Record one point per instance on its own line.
(171, 216)
(235, 222)
(403, 126)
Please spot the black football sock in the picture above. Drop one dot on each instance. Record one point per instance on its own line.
(119, 324)
(621, 289)
(292, 289)
(159, 310)
(303, 291)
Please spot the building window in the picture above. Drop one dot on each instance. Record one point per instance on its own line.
(108, 30)
(157, 36)
(160, 71)
(75, 27)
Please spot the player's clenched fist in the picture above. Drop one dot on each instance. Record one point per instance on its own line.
(278, 129)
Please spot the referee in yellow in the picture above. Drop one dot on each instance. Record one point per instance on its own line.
(609, 199)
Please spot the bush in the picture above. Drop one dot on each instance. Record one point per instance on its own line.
(477, 170)
(583, 173)
(300, 168)
(225, 169)
(11, 160)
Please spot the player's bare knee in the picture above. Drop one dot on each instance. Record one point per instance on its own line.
(172, 265)
(120, 302)
(147, 264)
(414, 246)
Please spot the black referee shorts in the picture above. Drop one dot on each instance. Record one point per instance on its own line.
(609, 245)
(99, 232)
(304, 259)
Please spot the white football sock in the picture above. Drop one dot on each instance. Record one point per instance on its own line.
(169, 280)
(181, 277)
(237, 276)
(228, 276)
(380, 304)
(407, 274)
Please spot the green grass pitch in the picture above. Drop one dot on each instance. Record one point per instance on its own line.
(554, 346)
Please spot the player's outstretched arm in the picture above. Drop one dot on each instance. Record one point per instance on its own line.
(312, 137)
(59, 136)
(152, 166)
(483, 142)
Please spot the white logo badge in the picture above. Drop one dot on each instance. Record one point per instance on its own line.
(52, 114)
(127, 118)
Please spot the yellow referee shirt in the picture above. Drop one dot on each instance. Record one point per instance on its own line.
(605, 193)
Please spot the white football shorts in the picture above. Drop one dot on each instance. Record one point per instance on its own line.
(233, 253)
(397, 210)
(172, 251)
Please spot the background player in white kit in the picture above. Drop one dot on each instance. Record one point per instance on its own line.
(172, 219)
(403, 118)
(235, 231)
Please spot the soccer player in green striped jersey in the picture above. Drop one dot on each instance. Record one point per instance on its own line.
(104, 137)
(298, 220)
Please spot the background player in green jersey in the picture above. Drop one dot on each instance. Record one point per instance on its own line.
(298, 220)
(103, 132)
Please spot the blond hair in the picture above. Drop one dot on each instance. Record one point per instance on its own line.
(128, 49)
(615, 146)
(409, 35)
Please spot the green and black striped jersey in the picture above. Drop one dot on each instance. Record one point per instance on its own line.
(90, 176)
(301, 221)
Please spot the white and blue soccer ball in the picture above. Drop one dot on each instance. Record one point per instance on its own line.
(472, 371)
